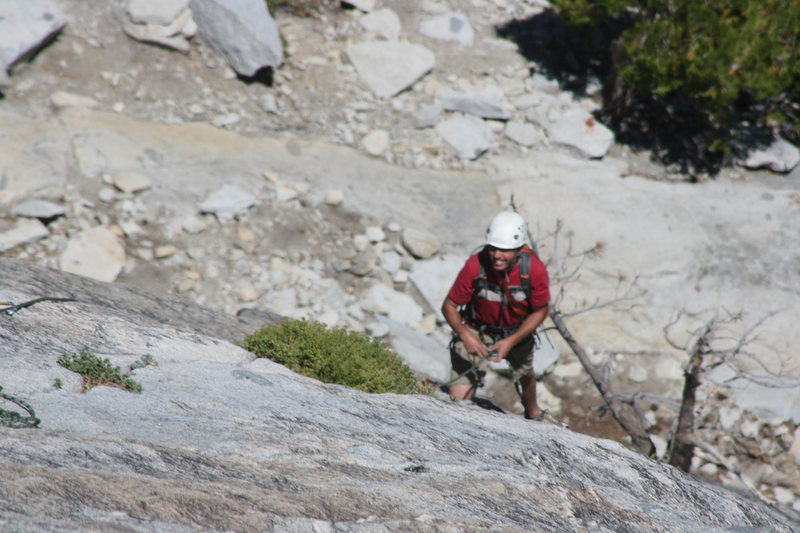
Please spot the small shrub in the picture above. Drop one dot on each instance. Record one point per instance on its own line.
(334, 356)
(97, 371)
(57, 383)
(145, 360)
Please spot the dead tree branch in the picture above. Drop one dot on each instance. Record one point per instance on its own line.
(562, 274)
(709, 346)
(629, 421)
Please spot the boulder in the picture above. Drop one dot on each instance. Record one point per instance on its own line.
(41, 209)
(479, 106)
(61, 99)
(160, 12)
(780, 156)
(428, 116)
(173, 34)
(398, 306)
(25, 27)
(227, 202)
(376, 142)
(449, 27)
(94, 253)
(23, 231)
(522, 133)
(388, 67)
(576, 127)
(242, 31)
(383, 22)
(468, 135)
(420, 244)
(131, 182)
(434, 277)
(363, 5)
(425, 354)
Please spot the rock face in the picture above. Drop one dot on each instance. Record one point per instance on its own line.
(219, 441)
(110, 135)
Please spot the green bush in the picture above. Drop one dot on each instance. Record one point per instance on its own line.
(713, 49)
(334, 356)
(727, 63)
(97, 371)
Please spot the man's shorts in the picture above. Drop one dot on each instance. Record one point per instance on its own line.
(520, 358)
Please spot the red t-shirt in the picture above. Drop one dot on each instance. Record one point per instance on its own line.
(488, 306)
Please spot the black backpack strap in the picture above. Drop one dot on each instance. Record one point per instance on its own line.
(525, 279)
(525, 273)
(479, 282)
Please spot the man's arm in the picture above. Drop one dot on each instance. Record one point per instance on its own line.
(525, 330)
(472, 343)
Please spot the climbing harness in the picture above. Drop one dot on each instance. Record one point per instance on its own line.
(13, 419)
(482, 285)
(13, 308)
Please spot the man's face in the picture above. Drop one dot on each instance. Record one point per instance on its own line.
(502, 260)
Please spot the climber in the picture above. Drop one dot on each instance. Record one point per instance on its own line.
(497, 301)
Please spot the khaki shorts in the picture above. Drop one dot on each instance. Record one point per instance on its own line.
(520, 358)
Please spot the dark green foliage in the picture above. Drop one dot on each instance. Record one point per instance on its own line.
(713, 49)
(707, 66)
(97, 371)
(334, 356)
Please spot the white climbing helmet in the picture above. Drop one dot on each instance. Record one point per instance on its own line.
(507, 231)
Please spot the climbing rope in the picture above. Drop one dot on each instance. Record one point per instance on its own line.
(13, 308)
(13, 419)
(470, 369)
(10, 418)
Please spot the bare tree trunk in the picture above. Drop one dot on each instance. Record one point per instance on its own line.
(617, 94)
(630, 422)
(681, 448)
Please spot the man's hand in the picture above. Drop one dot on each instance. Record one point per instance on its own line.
(473, 344)
(501, 348)
(525, 330)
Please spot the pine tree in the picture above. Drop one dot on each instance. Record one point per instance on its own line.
(710, 65)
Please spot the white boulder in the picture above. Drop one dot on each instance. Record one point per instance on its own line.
(94, 253)
(780, 156)
(449, 27)
(388, 67)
